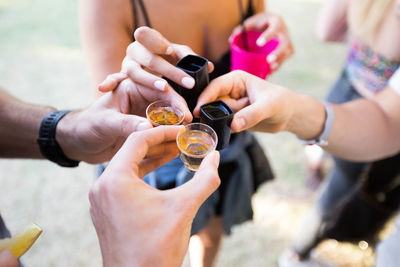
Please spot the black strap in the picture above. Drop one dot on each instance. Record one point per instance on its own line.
(49, 147)
(135, 14)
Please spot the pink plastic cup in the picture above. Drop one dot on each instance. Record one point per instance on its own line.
(254, 60)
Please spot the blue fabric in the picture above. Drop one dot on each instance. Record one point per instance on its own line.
(243, 167)
(343, 193)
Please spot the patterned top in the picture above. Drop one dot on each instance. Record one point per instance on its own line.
(367, 70)
(394, 81)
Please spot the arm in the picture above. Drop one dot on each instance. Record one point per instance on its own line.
(106, 31)
(362, 129)
(19, 127)
(332, 21)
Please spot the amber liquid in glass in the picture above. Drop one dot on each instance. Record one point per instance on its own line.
(195, 146)
(165, 116)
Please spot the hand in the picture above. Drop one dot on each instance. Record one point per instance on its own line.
(149, 58)
(96, 133)
(7, 259)
(257, 103)
(138, 225)
(271, 25)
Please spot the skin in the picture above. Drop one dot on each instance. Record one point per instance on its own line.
(206, 35)
(200, 27)
(7, 259)
(333, 26)
(132, 219)
(363, 130)
(93, 134)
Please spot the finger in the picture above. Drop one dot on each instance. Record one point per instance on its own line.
(237, 30)
(126, 124)
(139, 75)
(248, 117)
(148, 165)
(155, 63)
(179, 102)
(159, 150)
(271, 32)
(203, 184)
(236, 104)
(111, 82)
(220, 87)
(154, 41)
(7, 259)
(182, 51)
(137, 145)
(283, 51)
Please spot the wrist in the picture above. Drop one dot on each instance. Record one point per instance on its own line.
(66, 135)
(48, 144)
(308, 117)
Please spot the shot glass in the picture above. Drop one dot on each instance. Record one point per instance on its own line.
(218, 115)
(195, 142)
(164, 113)
(253, 60)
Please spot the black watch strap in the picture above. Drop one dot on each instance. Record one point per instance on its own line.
(48, 145)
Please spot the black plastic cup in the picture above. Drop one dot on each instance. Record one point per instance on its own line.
(197, 67)
(218, 115)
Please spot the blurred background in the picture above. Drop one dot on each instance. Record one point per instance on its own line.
(42, 62)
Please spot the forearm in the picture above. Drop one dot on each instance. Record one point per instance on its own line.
(362, 130)
(332, 21)
(19, 127)
(106, 31)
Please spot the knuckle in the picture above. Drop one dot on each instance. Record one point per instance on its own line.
(152, 62)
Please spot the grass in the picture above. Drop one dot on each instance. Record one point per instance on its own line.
(42, 62)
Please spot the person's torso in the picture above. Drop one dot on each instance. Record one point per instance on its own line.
(204, 26)
(371, 63)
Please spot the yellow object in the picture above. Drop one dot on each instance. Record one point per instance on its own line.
(22, 241)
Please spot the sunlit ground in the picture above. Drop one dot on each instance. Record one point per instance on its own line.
(42, 62)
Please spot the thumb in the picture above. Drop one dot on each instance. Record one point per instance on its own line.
(7, 259)
(248, 117)
(125, 124)
(203, 184)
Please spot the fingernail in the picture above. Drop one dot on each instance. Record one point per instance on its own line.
(274, 66)
(143, 126)
(188, 82)
(241, 123)
(271, 58)
(261, 41)
(169, 51)
(160, 84)
(215, 155)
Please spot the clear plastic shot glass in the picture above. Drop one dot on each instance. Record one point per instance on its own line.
(162, 112)
(195, 142)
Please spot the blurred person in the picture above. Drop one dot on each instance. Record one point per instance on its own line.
(107, 30)
(369, 27)
(363, 130)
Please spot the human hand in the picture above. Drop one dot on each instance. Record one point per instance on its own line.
(271, 25)
(258, 104)
(138, 225)
(96, 133)
(7, 259)
(149, 58)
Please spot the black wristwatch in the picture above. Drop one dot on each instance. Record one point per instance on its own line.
(48, 145)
